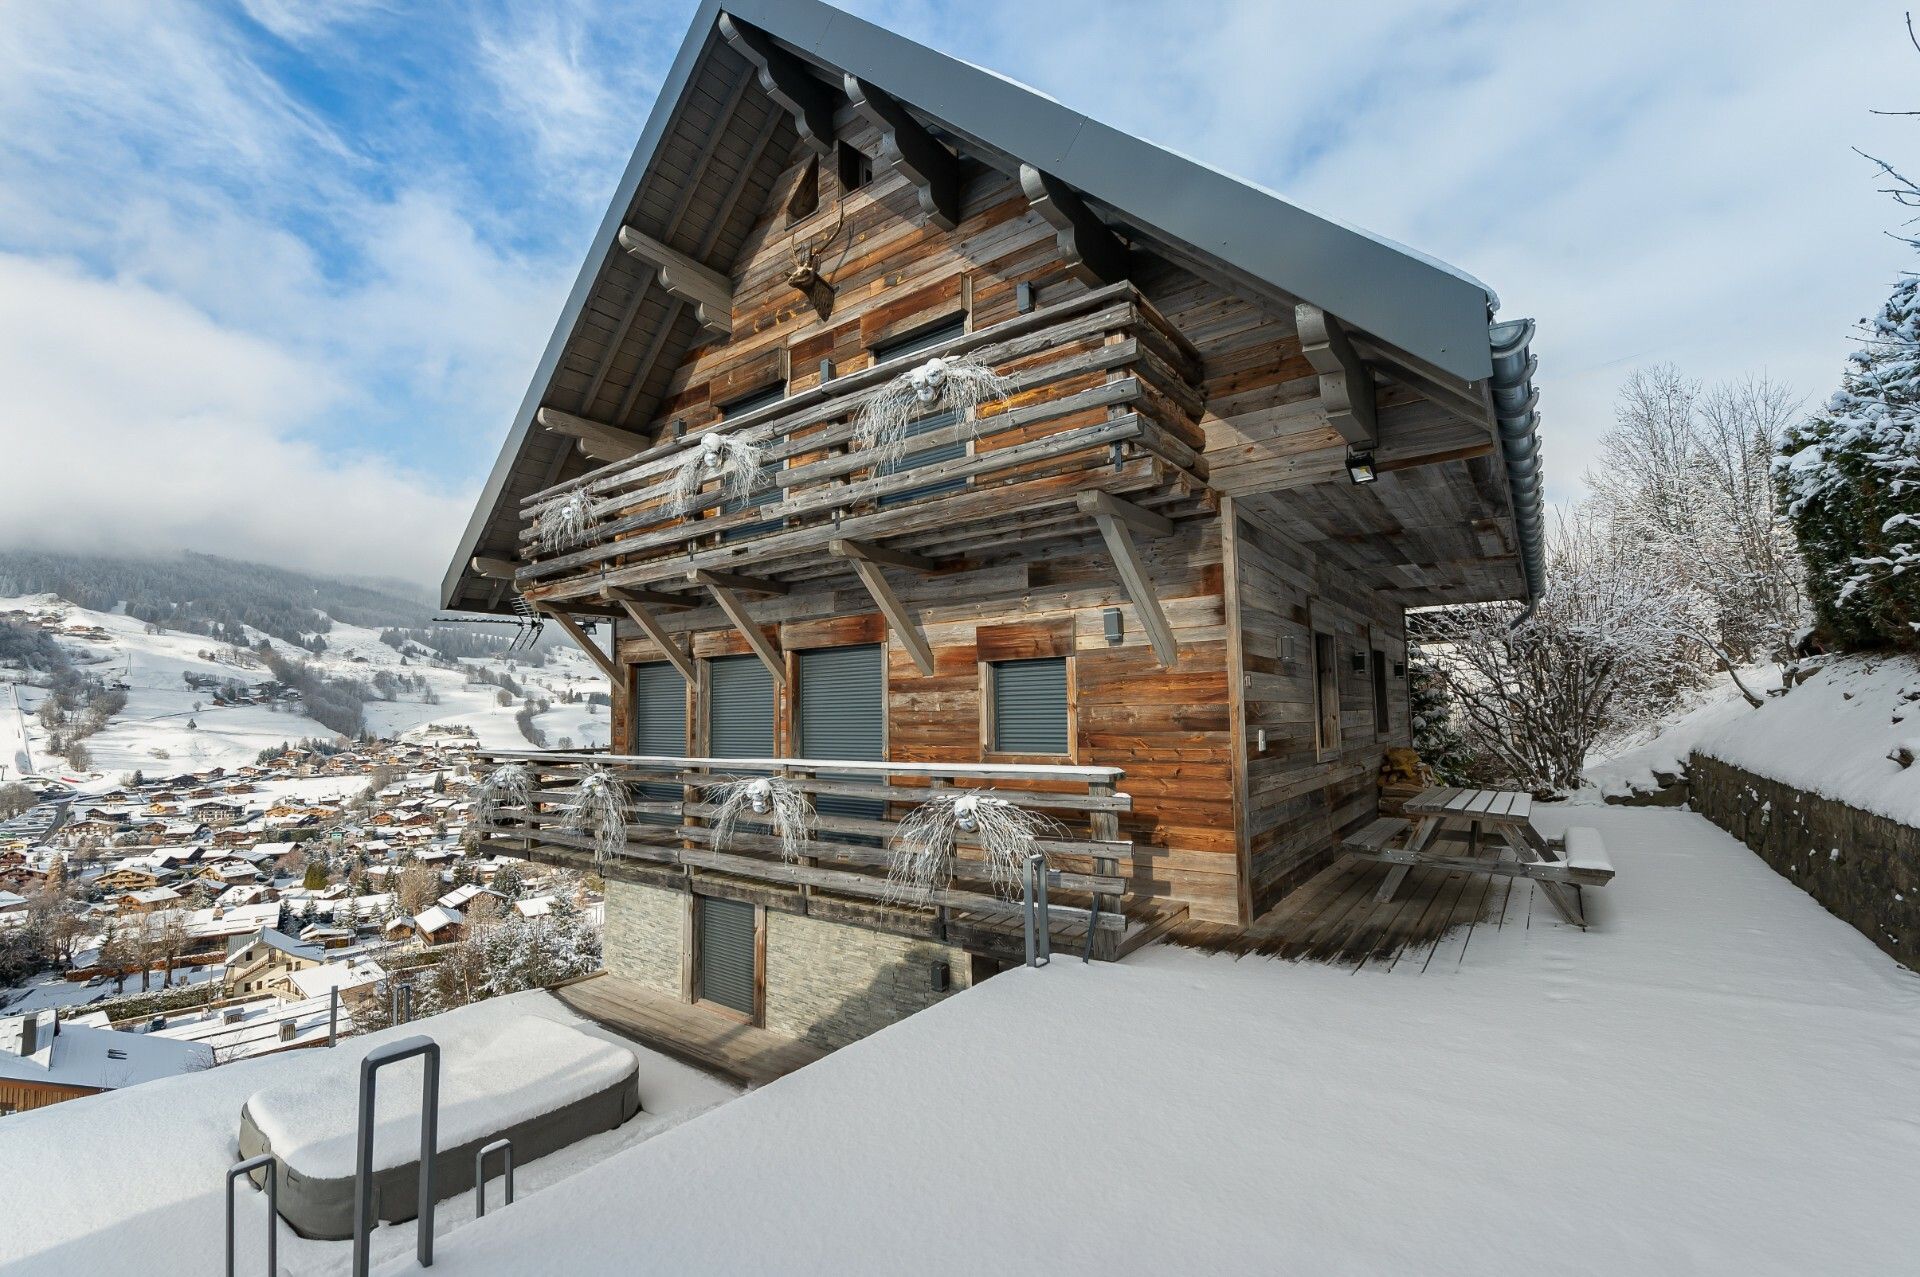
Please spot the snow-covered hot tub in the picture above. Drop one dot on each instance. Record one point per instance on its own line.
(540, 1084)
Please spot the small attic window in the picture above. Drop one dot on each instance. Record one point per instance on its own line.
(806, 193)
(856, 168)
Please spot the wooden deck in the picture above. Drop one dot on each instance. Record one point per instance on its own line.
(695, 1035)
(1428, 925)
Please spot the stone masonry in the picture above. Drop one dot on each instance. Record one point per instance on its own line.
(644, 930)
(1864, 868)
(830, 984)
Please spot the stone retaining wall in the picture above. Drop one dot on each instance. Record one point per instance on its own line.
(1864, 868)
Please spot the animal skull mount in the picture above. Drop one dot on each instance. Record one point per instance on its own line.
(760, 797)
(713, 453)
(805, 276)
(966, 813)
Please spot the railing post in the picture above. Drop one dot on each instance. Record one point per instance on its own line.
(505, 1147)
(273, 1208)
(1104, 826)
(375, 1060)
(1039, 920)
(333, 1016)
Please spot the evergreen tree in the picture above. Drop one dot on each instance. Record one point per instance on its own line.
(1439, 745)
(316, 876)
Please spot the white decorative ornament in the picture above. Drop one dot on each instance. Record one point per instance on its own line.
(509, 785)
(923, 846)
(958, 383)
(740, 466)
(565, 523)
(598, 806)
(785, 807)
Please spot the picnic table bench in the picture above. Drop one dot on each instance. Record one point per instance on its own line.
(1520, 852)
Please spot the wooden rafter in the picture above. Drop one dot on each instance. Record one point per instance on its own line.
(1116, 519)
(786, 80)
(736, 581)
(866, 560)
(636, 603)
(1346, 387)
(586, 644)
(723, 594)
(705, 289)
(914, 152)
(493, 569)
(1088, 246)
(598, 440)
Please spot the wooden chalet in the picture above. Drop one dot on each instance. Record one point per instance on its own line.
(1156, 589)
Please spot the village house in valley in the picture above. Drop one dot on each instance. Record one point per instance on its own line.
(1147, 578)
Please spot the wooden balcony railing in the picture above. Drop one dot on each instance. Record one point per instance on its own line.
(1103, 398)
(1088, 862)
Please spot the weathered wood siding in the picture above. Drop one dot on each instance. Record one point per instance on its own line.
(1297, 799)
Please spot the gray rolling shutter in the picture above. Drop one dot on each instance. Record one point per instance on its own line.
(659, 728)
(762, 496)
(739, 708)
(842, 713)
(726, 953)
(928, 456)
(1030, 706)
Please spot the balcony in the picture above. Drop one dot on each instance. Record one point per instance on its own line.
(1102, 400)
(859, 807)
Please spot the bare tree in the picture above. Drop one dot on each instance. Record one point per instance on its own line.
(418, 887)
(173, 942)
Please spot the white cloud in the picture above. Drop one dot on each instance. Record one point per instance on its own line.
(132, 423)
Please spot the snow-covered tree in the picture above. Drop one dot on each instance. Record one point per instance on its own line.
(1850, 478)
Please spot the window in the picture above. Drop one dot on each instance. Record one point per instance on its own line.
(724, 936)
(923, 339)
(1029, 703)
(1382, 719)
(856, 168)
(739, 708)
(763, 496)
(1326, 694)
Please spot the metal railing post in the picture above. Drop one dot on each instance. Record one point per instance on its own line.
(375, 1060)
(273, 1208)
(1039, 921)
(333, 1016)
(505, 1147)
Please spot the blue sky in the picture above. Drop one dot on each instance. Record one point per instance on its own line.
(273, 274)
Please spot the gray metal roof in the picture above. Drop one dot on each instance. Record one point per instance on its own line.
(1432, 312)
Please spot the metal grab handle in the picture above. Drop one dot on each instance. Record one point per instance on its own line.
(505, 1147)
(247, 1167)
(1039, 920)
(375, 1060)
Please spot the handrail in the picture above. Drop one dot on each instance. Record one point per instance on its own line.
(370, 1066)
(504, 1147)
(265, 1160)
(1034, 902)
(970, 771)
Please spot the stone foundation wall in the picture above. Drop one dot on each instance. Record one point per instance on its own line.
(1864, 868)
(645, 929)
(830, 984)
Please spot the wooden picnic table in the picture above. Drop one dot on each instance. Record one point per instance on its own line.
(1500, 813)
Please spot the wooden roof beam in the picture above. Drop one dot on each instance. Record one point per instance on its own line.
(1116, 519)
(635, 602)
(597, 439)
(903, 623)
(914, 152)
(1346, 387)
(787, 81)
(587, 645)
(493, 569)
(874, 552)
(716, 583)
(705, 289)
(1088, 245)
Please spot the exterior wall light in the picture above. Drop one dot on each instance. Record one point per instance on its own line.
(1360, 467)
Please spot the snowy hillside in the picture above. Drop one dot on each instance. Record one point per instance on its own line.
(169, 725)
(1637, 765)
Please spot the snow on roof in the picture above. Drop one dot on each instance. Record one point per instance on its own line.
(437, 918)
(80, 1055)
(315, 982)
(535, 906)
(1708, 1078)
(280, 940)
(460, 897)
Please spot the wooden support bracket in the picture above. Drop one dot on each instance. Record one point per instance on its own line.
(635, 602)
(914, 152)
(905, 627)
(1115, 518)
(735, 581)
(493, 569)
(708, 291)
(1346, 387)
(1088, 246)
(716, 583)
(786, 80)
(587, 645)
(597, 439)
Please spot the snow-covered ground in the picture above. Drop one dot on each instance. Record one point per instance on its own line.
(1717, 1078)
(132, 1181)
(152, 733)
